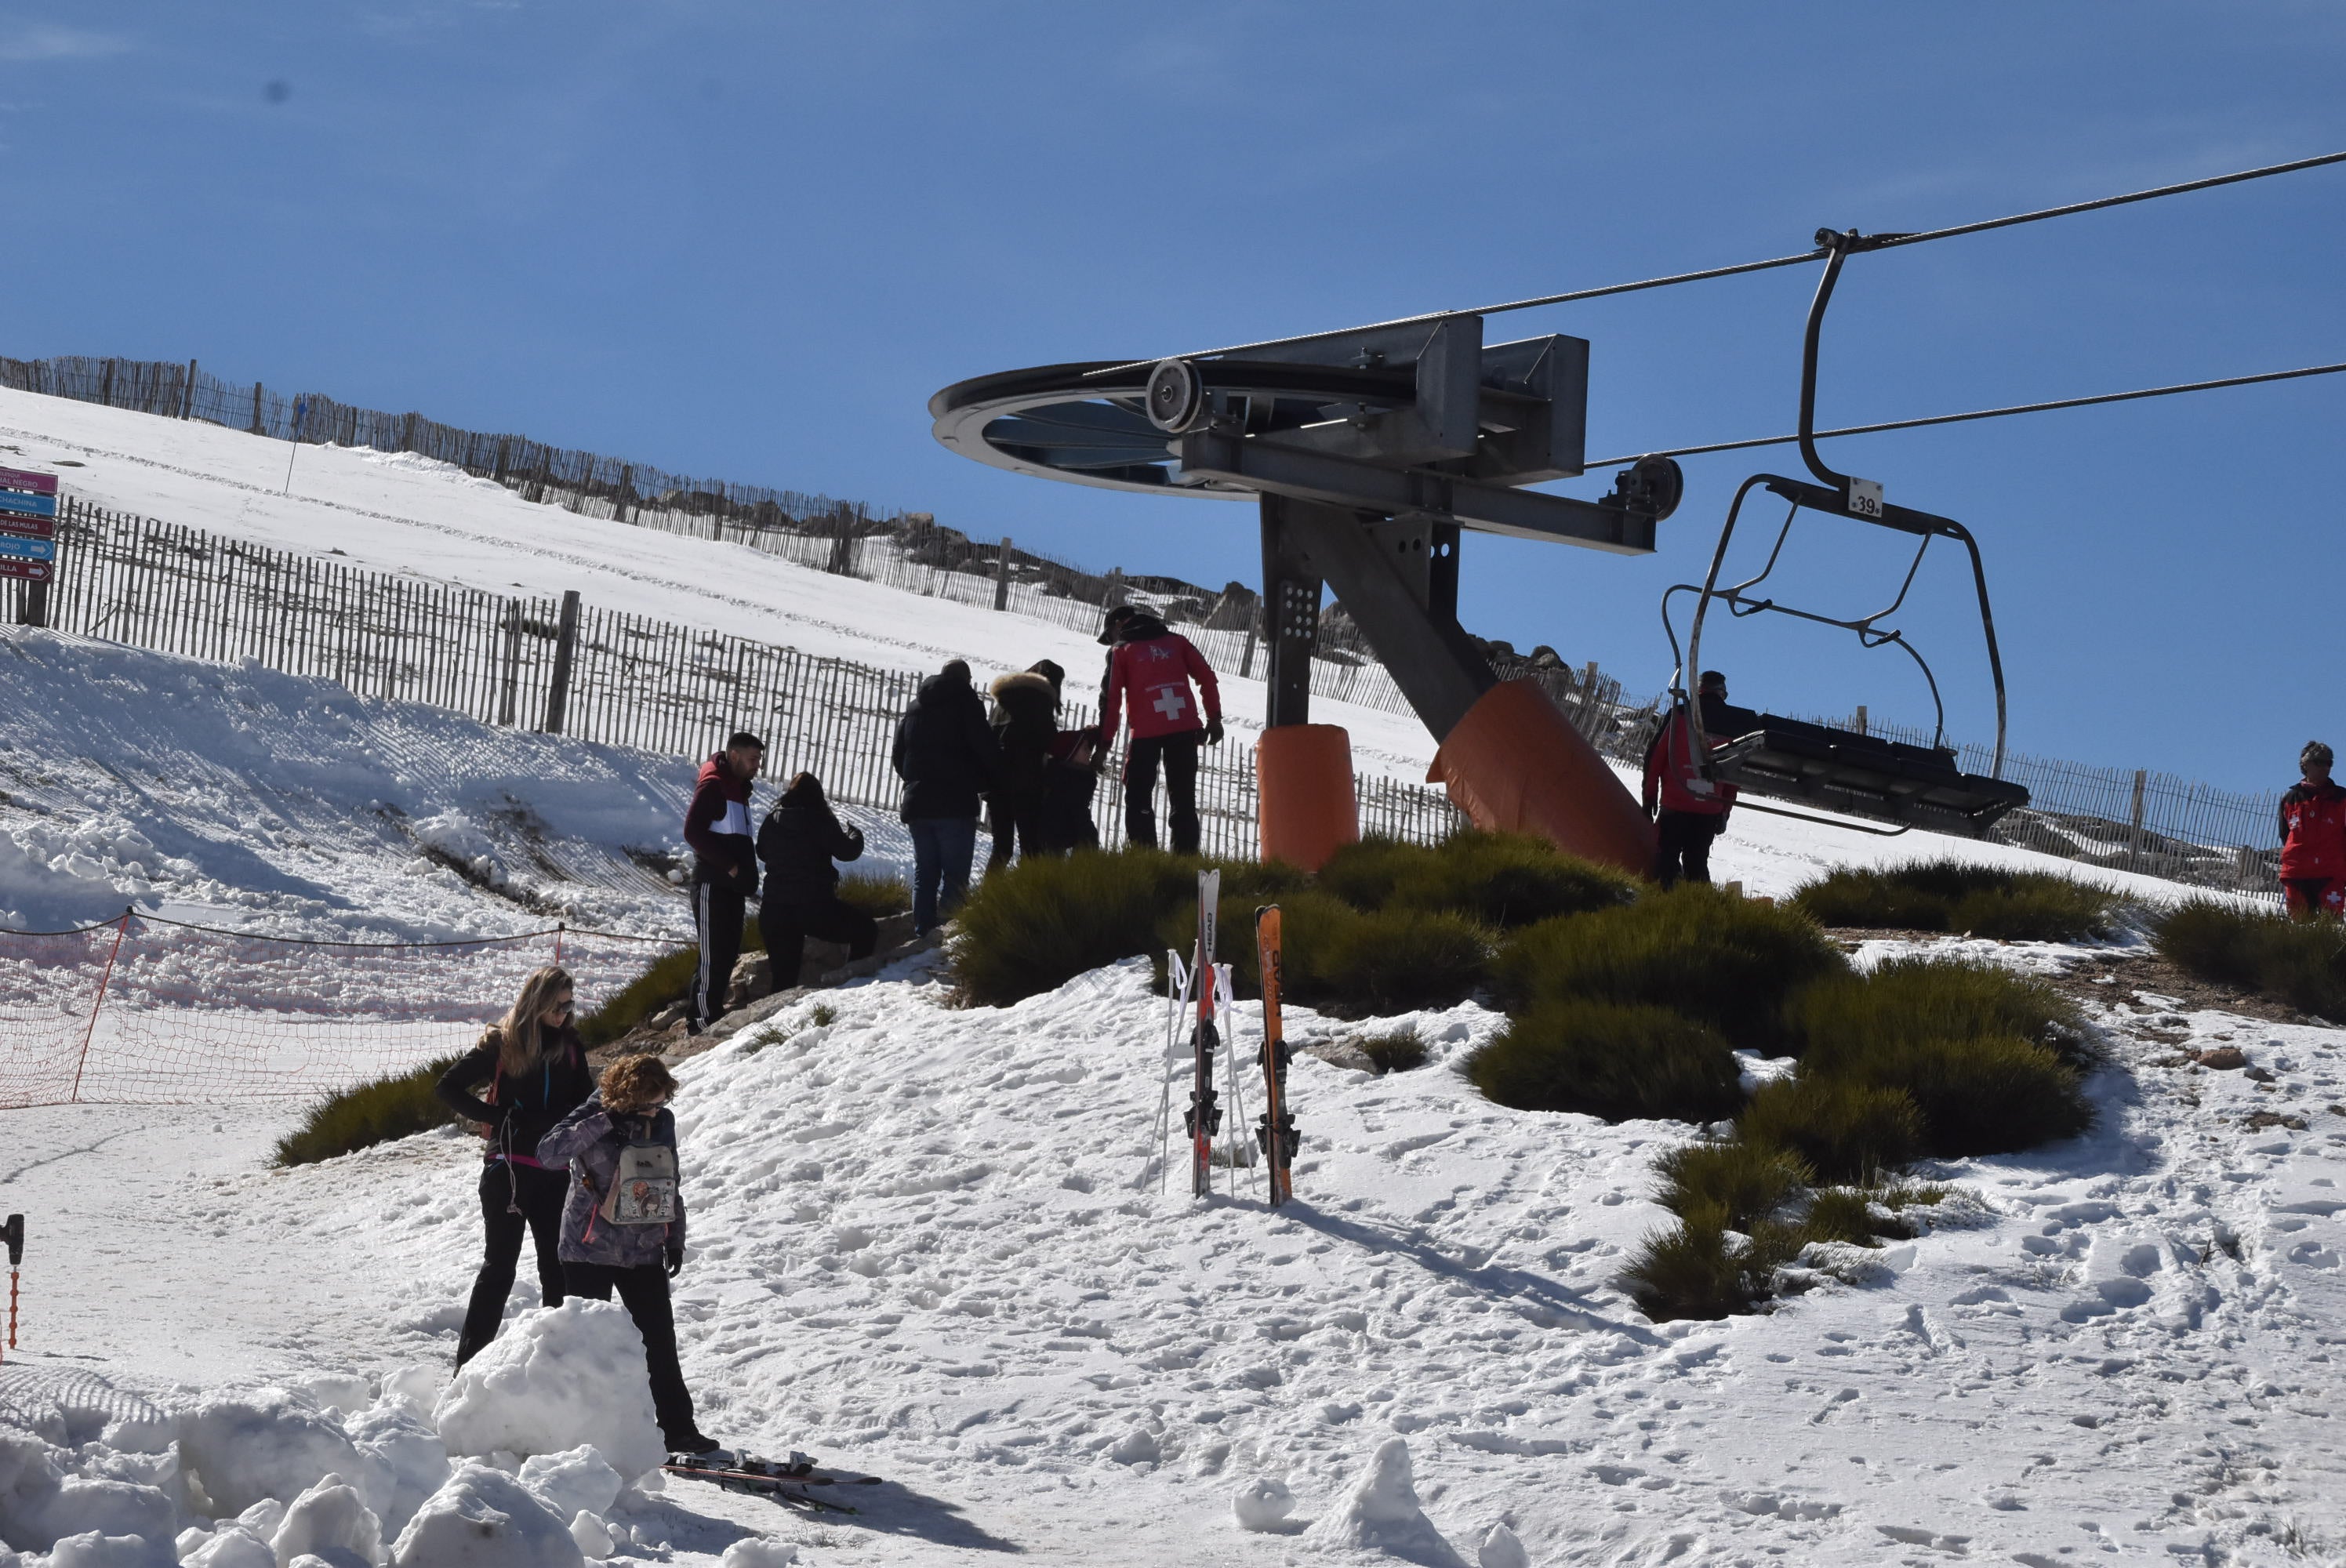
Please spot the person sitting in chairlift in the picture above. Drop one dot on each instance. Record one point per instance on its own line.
(2313, 838)
(1690, 810)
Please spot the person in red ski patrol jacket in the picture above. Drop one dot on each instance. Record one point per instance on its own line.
(2313, 838)
(724, 868)
(1692, 810)
(1152, 668)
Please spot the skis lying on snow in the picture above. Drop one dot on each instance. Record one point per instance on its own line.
(1204, 1117)
(1276, 1131)
(790, 1481)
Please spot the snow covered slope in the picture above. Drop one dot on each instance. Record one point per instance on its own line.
(399, 512)
(927, 1247)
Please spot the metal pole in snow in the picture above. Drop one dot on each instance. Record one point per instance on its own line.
(300, 412)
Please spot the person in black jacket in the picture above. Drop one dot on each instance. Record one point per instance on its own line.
(535, 1067)
(798, 840)
(1026, 725)
(947, 759)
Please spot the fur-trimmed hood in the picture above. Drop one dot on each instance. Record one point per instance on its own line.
(1025, 681)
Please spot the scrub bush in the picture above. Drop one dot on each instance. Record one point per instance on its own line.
(1402, 1051)
(374, 1112)
(1845, 1215)
(1698, 1268)
(1911, 999)
(2301, 963)
(1844, 1131)
(1954, 896)
(1730, 962)
(1311, 923)
(667, 978)
(1741, 1182)
(1611, 1061)
(1032, 926)
(1985, 1095)
(1393, 961)
(1499, 880)
(875, 894)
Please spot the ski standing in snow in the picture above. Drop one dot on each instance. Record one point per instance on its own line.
(1205, 1116)
(1276, 1132)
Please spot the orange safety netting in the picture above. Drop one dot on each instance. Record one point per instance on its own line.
(143, 1011)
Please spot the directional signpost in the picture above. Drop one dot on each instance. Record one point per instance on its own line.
(28, 524)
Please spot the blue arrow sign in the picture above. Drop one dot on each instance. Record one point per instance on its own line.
(13, 548)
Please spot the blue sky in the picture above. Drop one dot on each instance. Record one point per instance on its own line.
(748, 240)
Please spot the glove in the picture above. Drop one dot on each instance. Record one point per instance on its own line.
(675, 1260)
(1213, 732)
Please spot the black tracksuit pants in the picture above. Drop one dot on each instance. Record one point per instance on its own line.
(717, 915)
(539, 1194)
(643, 1291)
(1179, 753)
(1682, 846)
(786, 927)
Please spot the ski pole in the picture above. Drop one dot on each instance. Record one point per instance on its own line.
(13, 1233)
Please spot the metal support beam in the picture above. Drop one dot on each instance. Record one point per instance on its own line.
(1429, 656)
(1442, 572)
(1290, 618)
(1260, 464)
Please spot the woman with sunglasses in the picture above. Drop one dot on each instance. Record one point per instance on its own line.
(532, 1066)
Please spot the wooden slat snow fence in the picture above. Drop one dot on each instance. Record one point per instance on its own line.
(663, 686)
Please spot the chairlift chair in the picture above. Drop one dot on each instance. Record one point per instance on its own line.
(1840, 770)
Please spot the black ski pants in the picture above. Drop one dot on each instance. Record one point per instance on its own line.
(716, 916)
(786, 927)
(1683, 846)
(643, 1291)
(538, 1194)
(1179, 754)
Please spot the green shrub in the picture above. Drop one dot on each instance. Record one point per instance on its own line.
(1393, 961)
(1983, 1094)
(1909, 999)
(1845, 1132)
(1364, 874)
(1842, 1215)
(1742, 1182)
(1499, 880)
(1032, 926)
(1694, 1270)
(1309, 921)
(1730, 963)
(1401, 1051)
(667, 979)
(1954, 895)
(2301, 963)
(1610, 1061)
(374, 1112)
(874, 893)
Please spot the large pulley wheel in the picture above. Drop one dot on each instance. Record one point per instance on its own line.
(1177, 397)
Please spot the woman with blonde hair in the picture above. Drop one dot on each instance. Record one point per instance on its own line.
(623, 1226)
(534, 1066)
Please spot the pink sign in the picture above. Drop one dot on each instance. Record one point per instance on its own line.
(26, 479)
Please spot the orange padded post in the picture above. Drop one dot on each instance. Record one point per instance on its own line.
(1514, 764)
(1304, 772)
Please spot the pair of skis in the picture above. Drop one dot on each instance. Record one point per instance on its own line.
(1275, 1133)
(788, 1480)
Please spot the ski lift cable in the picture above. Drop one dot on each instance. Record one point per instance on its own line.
(1978, 413)
(1869, 242)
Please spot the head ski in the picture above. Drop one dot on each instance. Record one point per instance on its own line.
(1276, 1132)
(1204, 1117)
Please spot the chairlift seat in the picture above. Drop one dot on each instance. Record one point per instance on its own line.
(1862, 775)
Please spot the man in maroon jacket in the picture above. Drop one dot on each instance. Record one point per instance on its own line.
(2313, 838)
(1153, 665)
(724, 868)
(1692, 808)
